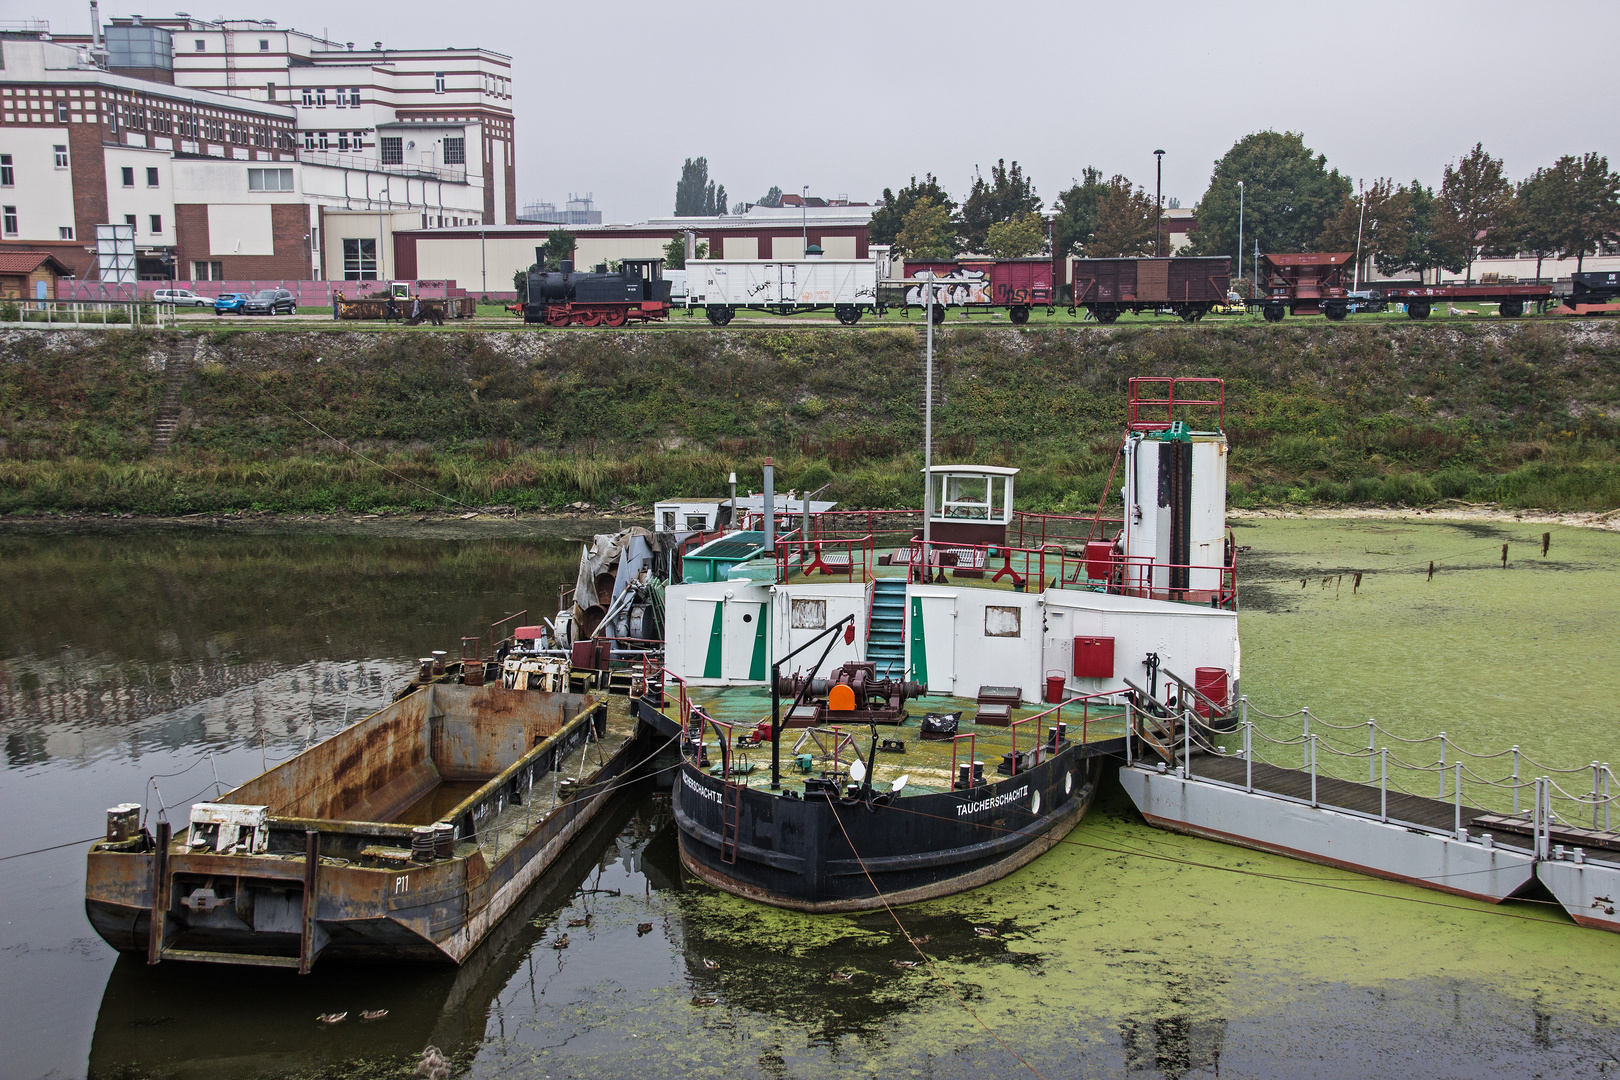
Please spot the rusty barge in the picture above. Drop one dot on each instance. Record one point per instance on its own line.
(406, 836)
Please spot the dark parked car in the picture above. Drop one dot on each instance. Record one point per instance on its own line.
(230, 303)
(270, 302)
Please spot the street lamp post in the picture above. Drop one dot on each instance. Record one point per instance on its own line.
(1158, 200)
(804, 219)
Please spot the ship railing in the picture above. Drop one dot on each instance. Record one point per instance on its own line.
(972, 777)
(1033, 530)
(850, 524)
(851, 559)
(1152, 401)
(1519, 796)
(1047, 745)
(484, 646)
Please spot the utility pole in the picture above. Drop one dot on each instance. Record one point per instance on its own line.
(804, 219)
(1158, 201)
(1359, 226)
(1240, 231)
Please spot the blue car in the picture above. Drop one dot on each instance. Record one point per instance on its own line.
(230, 303)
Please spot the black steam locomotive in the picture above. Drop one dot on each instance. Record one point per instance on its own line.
(636, 291)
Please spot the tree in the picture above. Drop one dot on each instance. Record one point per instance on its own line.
(1023, 235)
(520, 282)
(772, 197)
(1475, 200)
(559, 246)
(1076, 217)
(1536, 218)
(1385, 229)
(1427, 246)
(1124, 223)
(675, 252)
(926, 232)
(1591, 205)
(1288, 195)
(695, 194)
(890, 215)
(1007, 195)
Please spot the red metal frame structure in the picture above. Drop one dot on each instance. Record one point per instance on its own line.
(812, 558)
(1141, 410)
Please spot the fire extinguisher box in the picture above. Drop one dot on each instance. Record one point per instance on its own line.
(1094, 657)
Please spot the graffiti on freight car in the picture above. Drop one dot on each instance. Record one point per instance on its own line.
(961, 286)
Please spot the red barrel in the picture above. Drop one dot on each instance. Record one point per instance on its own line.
(1054, 688)
(1210, 682)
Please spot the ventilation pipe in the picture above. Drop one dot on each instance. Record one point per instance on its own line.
(770, 507)
(691, 245)
(733, 481)
(95, 25)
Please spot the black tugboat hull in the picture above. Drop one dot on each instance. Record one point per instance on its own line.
(822, 855)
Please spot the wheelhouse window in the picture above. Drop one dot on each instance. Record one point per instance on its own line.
(359, 259)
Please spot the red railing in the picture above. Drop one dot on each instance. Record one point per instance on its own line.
(1035, 530)
(848, 524)
(956, 741)
(847, 558)
(1142, 411)
(1036, 567)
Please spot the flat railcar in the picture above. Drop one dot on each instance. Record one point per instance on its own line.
(1190, 287)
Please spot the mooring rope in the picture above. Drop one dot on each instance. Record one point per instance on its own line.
(928, 960)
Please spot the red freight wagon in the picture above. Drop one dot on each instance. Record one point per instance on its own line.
(1188, 286)
(1312, 283)
(1015, 284)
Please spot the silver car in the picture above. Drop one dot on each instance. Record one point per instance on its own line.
(181, 298)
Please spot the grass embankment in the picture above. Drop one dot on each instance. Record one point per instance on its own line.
(1520, 414)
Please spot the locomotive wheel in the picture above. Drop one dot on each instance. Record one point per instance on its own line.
(939, 314)
(590, 318)
(616, 317)
(1018, 314)
(1274, 313)
(558, 317)
(1417, 309)
(1512, 309)
(847, 315)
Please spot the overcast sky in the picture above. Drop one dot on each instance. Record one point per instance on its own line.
(851, 97)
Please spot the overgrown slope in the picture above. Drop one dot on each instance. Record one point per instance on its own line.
(1525, 413)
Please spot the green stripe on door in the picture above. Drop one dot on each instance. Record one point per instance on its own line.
(756, 666)
(919, 643)
(711, 664)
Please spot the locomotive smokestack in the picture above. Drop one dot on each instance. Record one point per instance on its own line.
(540, 260)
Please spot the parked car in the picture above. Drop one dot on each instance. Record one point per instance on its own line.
(229, 303)
(270, 302)
(180, 298)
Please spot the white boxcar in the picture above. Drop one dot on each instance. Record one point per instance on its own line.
(721, 286)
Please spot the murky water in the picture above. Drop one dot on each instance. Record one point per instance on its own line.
(1126, 950)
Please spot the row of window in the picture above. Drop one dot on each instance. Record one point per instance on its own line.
(343, 97)
(343, 140)
(128, 176)
(10, 227)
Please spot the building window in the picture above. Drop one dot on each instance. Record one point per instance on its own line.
(8, 175)
(157, 223)
(391, 149)
(309, 140)
(455, 151)
(320, 97)
(320, 140)
(127, 174)
(151, 177)
(270, 180)
(207, 271)
(359, 138)
(309, 98)
(359, 260)
(61, 112)
(264, 44)
(199, 45)
(269, 91)
(65, 232)
(354, 96)
(61, 156)
(129, 219)
(343, 140)
(10, 216)
(438, 82)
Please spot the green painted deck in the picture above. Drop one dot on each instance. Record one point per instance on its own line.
(926, 763)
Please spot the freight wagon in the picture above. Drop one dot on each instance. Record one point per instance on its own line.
(1316, 283)
(721, 286)
(1015, 284)
(1190, 287)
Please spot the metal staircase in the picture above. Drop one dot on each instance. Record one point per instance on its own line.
(885, 640)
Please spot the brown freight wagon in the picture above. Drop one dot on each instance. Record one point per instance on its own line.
(1188, 286)
(375, 307)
